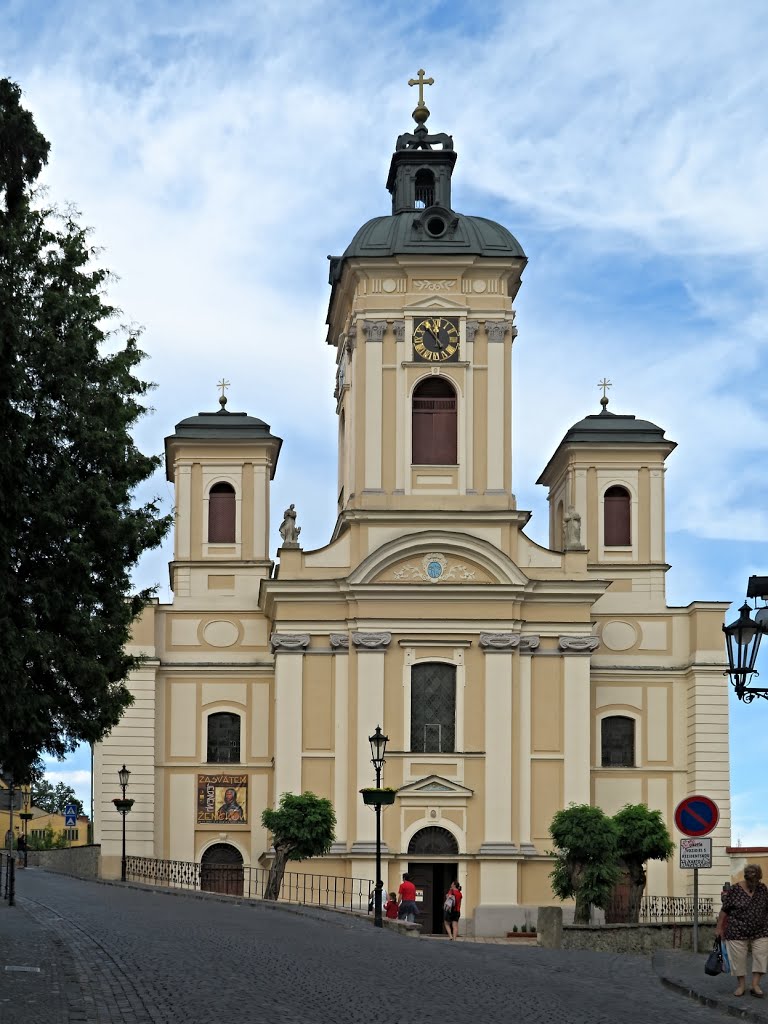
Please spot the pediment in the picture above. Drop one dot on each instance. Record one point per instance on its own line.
(435, 301)
(438, 558)
(435, 785)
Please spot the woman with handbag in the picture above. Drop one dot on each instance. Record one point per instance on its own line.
(743, 921)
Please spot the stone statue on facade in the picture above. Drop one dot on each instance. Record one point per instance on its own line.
(289, 531)
(572, 525)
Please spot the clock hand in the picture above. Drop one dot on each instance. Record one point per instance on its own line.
(434, 336)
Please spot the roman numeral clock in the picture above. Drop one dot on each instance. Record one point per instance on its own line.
(436, 339)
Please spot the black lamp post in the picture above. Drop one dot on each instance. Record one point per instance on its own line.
(378, 748)
(742, 642)
(123, 806)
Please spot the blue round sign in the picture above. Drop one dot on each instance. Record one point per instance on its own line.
(696, 816)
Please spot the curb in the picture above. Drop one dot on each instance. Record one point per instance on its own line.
(711, 1001)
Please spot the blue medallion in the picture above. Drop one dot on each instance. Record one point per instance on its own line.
(434, 570)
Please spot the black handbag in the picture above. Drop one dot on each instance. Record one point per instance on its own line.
(714, 963)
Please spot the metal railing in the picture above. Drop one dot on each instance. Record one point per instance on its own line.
(337, 891)
(660, 910)
(7, 877)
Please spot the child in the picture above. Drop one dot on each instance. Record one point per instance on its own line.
(390, 907)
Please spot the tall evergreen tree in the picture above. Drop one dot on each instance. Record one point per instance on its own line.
(69, 531)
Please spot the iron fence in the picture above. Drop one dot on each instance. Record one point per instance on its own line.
(337, 891)
(7, 877)
(660, 910)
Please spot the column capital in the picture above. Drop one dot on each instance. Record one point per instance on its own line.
(289, 642)
(499, 641)
(578, 644)
(371, 641)
(339, 640)
(374, 329)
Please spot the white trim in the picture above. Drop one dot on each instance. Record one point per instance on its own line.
(458, 834)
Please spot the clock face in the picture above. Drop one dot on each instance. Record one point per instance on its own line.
(436, 339)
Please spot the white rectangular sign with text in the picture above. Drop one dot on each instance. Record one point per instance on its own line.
(696, 853)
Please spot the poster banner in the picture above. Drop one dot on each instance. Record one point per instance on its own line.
(696, 853)
(222, 798)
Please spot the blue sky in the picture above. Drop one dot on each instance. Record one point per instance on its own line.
(221, 151)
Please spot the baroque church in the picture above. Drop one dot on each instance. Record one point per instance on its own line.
(511, 679)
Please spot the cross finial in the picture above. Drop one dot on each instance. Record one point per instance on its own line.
(421, 113)
(223, 384)
(604, 384)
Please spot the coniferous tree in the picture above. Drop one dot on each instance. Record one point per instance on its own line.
(69, 531)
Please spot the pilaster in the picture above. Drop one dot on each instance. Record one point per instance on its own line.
(289, 670)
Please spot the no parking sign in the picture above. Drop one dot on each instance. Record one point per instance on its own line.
(696, 816)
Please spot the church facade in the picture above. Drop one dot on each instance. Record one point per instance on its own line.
(511, 679)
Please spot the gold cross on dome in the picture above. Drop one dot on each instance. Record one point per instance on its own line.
(604, 384)
(223, 384)
(421, 81)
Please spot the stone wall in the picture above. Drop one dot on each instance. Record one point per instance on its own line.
(80, 861)
(636, 938)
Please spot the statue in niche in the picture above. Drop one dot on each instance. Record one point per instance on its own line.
(289, 531)
(572, 524)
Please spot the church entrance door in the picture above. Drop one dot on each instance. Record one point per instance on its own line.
(432, 882)
(221, 870)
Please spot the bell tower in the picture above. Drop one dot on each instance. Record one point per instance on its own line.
(421, 315)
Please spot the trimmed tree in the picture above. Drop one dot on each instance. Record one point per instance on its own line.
(301, 827)
(586, 844)
(641, 836)
(70, 533)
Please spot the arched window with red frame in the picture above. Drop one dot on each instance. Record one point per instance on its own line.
(221, 514)
(617, 521)
(434, 441)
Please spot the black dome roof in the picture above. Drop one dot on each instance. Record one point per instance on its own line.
(412, 231)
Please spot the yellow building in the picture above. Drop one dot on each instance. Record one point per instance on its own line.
(511, 678)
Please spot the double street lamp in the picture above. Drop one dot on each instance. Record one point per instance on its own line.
(123, 806)
(742, 642)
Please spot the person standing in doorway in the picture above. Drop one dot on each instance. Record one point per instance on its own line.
(452, 910)
(407, 895)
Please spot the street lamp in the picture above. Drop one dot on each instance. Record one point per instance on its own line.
(123, 806)
(742, 642)
(378, 748)
(26, 816)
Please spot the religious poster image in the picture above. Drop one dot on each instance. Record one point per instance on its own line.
(222, 798)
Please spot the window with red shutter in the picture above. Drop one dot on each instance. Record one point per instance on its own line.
(616, 518)
(434, 424)
(221, 514)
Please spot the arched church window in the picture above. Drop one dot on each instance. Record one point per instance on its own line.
(223, 738)
(425, 188)
(434, 423)
(617, 529)
(221, 514)
(617, 736)
(433, 708)
(433, 841)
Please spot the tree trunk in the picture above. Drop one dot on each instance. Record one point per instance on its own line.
(581, 913)
(276, 872)
(637, 881)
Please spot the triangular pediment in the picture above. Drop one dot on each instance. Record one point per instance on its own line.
(435, 301)
(434, 785)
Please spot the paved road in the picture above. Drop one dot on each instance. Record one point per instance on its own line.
(128, 956)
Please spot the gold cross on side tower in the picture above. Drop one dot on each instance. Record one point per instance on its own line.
(223, 384)
(604, 384)
(421, 81)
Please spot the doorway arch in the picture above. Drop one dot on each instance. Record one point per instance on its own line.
(221, 870)
(435, 853)
(433, 841)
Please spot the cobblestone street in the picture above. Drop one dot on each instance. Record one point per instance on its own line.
(111, 955)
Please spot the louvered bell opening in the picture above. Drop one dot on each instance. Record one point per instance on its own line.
(221, 515)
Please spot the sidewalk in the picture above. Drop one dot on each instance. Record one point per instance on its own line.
(33, 971)
(684, 973)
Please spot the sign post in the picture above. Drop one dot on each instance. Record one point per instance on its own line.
(696, 817)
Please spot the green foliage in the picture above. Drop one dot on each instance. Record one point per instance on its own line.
(514, 928)
(302, 826)
(54, 798)
(586, 851)
(69, 532)
(49, 840)
(642, 835)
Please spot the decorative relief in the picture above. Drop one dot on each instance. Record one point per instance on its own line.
(472, 328)
(578, 643)
(499, 641)
(529, 642)
(618, 636)
(371, 641)
(289, 641)
(434, 569)
(374, 329)
(496, 329)
(221, 633)
(399, 328)
(434, 285)
(340, 640)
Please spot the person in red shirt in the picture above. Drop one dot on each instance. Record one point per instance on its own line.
(452, 910)
(407, 894)
(390, 907)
